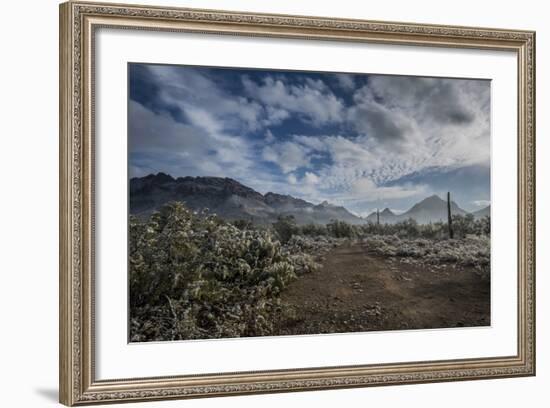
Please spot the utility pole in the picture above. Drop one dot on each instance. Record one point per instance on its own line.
(449, 216)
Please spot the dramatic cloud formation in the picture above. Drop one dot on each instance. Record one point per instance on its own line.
(311, 100)
(362, 141)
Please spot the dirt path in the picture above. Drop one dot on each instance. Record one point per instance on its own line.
(357, 291)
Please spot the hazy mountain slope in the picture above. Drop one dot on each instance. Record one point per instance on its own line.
(431, 209)
(484, 212)
(231, 200)
(228, 199)
(386, 216)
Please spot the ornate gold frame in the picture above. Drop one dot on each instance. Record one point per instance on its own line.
(78, 21)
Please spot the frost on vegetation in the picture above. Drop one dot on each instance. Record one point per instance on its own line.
(195, 276)
(472, 250)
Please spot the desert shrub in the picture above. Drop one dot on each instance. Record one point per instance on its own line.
(243, 224)
(315, 246)
(371, 228)
(471, 250)
(402, 228)
(341, 229)
(436, 230)
(314, 230)
(408, 228)
(195, 276)
(382, 245)
(483, 226)
(463, 225)
(303, 263)
(306, 252)
(285, 227)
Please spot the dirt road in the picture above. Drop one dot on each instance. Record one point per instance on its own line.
(357, 291)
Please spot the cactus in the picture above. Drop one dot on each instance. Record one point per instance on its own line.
(449, 216)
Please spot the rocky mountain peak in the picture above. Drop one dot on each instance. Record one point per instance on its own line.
(229, 199)
(159, 178)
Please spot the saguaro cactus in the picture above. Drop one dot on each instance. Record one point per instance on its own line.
(449, 216)
(377, 217)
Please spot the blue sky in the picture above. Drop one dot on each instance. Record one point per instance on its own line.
(358, 140)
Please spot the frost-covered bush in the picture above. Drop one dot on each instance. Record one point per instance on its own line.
(195, 276)
(472, 250)
(315, 246)
(306, 252)
(463, 225)
(303, 263)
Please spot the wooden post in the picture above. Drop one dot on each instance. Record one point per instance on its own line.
(449, 216)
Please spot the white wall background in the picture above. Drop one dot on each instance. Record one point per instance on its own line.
(28, 203)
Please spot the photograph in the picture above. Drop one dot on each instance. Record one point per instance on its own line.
(268, 202)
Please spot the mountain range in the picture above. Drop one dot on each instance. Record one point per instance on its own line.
(232, 200)
(430, 209)
(229, 199)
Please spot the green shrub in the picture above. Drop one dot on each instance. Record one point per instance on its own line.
(341, 229)
(243, 224)
(314, 230)
(285, 227)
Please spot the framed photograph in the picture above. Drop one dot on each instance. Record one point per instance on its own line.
(256, 203)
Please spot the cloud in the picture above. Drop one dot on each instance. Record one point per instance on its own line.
(151, 131)
(269, 138)
(416, 110)
(199, 98)
(311, 100)
(345, 81)
(385, 125)
(292, 179)
(481, 203)
(311, 178)
(275, 116)
(305, 187)
(442, 100)
(417, 123)
(288, 156)
(159, 143)
(365, 188)
(348, 159)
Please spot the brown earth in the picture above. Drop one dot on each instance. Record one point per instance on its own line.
(358, 291)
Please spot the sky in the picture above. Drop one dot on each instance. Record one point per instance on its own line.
(363, 141)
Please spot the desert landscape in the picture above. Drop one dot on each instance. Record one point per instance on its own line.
(271, 202)
(212, 258)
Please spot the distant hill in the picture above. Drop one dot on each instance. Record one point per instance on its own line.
(232, 200)
(484, 212)
(386, 216)
(228, 199)
(431, 209)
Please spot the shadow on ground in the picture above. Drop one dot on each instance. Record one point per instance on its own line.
(50, 394)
